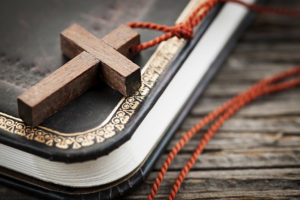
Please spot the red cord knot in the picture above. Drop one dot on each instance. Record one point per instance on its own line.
(182, 30)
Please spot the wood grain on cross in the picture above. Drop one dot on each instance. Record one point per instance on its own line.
(92, 58)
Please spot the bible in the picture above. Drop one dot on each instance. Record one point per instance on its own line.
(103, 144)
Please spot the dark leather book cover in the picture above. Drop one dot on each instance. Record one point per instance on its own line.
(101, 119)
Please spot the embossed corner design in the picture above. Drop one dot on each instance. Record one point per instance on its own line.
(116, 121)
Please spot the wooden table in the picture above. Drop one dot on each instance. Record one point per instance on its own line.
(256, 154)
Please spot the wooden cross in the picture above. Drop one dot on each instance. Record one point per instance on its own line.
(92, 57)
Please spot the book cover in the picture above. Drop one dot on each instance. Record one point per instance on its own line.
(100, 120)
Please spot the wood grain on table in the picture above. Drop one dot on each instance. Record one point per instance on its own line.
(256, 154)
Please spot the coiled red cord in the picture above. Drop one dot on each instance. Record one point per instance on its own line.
(221, 114)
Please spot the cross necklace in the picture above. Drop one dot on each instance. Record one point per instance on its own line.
(91, 58)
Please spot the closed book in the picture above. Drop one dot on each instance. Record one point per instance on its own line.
(102, 144)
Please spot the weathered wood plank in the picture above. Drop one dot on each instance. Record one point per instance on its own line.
(220, 184)
(230, 195)
(237, 159)
(273, 105)
(246, 141)
(286, 124)
(229, 89)
(238, 71)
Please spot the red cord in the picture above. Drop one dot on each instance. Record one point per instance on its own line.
(224, 112)
(230, 108)
(220, 115)
(185, 29)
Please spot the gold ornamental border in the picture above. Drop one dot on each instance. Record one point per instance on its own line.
(118, 118)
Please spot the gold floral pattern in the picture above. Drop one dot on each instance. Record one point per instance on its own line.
(116, 121)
